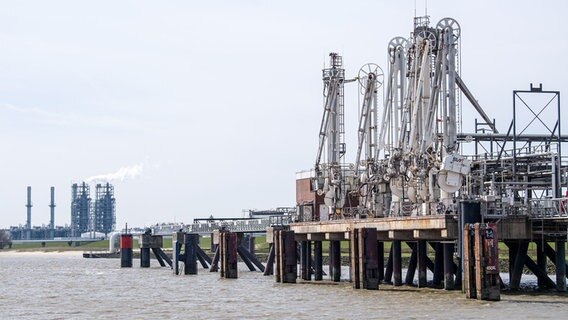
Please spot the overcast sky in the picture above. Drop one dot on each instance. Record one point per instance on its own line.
(210, 107)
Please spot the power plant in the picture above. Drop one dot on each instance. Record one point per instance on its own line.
(80, 208)
(86, 217)
(103, 218)
(96, 219)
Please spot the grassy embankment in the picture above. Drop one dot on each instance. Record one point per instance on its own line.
(261, 247)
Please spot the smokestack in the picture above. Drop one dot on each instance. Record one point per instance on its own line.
(52, 209)
(29, 220)
(29, 206)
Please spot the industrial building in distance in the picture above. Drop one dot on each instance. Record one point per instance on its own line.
(98, 219)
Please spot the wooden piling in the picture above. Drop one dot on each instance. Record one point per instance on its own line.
(354, 263)
(228, 254)
(481, 262)
(468, 256)
(277, 256)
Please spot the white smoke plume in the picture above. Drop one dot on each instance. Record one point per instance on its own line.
(121, 174)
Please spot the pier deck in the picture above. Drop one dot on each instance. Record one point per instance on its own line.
(434, 227)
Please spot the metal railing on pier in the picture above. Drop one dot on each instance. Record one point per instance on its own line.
(548, 208)
(238, 225)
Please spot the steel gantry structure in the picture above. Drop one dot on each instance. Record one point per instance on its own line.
(408, 160)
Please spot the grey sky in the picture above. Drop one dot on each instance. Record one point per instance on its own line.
(220, 101)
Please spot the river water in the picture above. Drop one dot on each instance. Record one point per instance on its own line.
(66, 286)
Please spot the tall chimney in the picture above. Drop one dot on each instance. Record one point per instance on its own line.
(29, 220)
(52, 209)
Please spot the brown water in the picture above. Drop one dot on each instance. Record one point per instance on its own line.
(66, 286)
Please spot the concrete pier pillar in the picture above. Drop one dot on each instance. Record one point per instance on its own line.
(318, 261)
(126, 251)
(438, 264)
(368, 259)
(335, 257)
(561, 265)
(513, 247)
(397, 263)
(449, 283)
(422, 254)
(381, 260)
(551, 254)
(540, 261)
(388, 269)
(288, 257)
(304, 262)
(515, 281)
(412, 263)
(309, 259)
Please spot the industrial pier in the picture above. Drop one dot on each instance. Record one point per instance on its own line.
(451, 196)
(418, 178)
